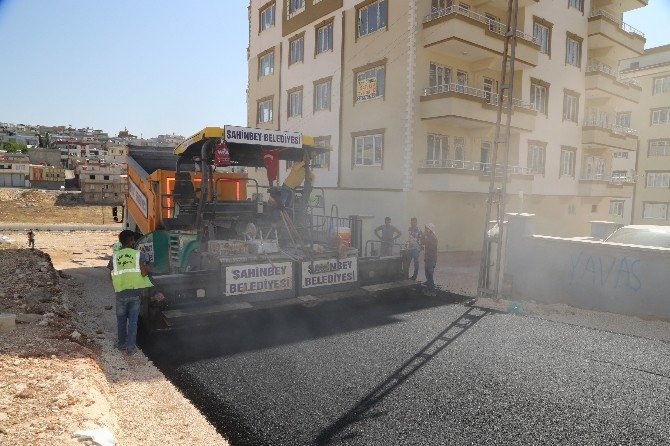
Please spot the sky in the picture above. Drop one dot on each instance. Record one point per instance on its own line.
(151, 66)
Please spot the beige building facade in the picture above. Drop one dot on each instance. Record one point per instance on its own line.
(412, 108)
(652, 193)
(103, 183)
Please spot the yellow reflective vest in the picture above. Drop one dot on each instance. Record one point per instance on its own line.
(126, 272)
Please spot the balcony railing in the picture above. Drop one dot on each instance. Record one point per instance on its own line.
(595, 66)
(624, 26)
(616, 129)
(484, 168)
(492, 25)
(608, 177)
(488, 96)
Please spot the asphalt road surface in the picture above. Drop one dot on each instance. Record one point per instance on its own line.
(422, 372)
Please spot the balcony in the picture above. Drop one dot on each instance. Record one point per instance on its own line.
(471, 176)
(608, 32)
(501, 4)
(472, 108)
(604, 84)
(621, 5)
(606, 185)
(459, 32)
(608, 135)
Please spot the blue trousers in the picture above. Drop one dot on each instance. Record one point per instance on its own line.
(430, 269)
(127, 313)
(414, 257)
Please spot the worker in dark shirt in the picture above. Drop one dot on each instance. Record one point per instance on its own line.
(388, 234)
(31, 239)
(430, 256)
(414, 244)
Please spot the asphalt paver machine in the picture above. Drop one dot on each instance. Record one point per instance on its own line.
(220, 242)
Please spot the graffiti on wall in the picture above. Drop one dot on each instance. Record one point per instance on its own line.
(606, 271)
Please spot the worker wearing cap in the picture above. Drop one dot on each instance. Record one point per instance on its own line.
(129, 273)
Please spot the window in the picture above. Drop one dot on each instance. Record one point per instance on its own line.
(570, 106)
(658, 180)
(577, 4)
(295, 6)
(660, 116)
(106, 177)
(461, 81)
(264, 111)
(459, 148)
(372, 17)
(485, 155)
(295, 103)
(662, 85)
(439, 76)
(439, 5)
(539, 96)
(594, 208)
(623, 119)
(573, 52)
(542, 35)
(438, 149)
(267, 17)
(296, 50)
(616, 208)
(322, 95)
(370, 83)
(322, 160)
(536, 156)
(655, 211)
(324, 38)
(91, 177)
(568, 162)
(266, 64)
(368, 150)
(659, 147)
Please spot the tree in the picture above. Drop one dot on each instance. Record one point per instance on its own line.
(14, 147)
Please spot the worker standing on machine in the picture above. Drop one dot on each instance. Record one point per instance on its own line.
(129, 273)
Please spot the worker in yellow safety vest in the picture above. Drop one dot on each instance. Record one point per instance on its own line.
(129, 273)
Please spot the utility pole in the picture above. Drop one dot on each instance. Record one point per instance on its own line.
(489, 286)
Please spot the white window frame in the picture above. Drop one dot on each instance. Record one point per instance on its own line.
(438, 75)
(322, 95)
(539, 95)
(568, 161)
(659, 148)
(324, 38)
(660, 116)
(263, 117)
(294, 103)
(658, 180)
(542, 34)
(616, 208)
(381, 86)
(270, 65)
(573, 52)
(322, 160)
(296, 50)
(380, 7)
(536, 158)
(662, 85)
(373, 143)
(654, 211)
(570, 107)
(294, 7)
(437, 149)
(622, 119)
(264, 22)
(577, 4)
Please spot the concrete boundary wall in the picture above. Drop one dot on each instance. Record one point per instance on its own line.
(624, 279)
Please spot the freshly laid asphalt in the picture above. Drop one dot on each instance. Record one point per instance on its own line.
(424, 371)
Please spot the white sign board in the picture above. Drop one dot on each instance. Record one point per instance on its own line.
(329, 272)
(261, 278)
(275, 138)
(147, 247)
(138, 197)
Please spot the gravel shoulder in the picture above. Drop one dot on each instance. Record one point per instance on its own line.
(59, 370)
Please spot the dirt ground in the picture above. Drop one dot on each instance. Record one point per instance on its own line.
(40, 206)
(59, 370)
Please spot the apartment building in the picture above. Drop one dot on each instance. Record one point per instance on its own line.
(412, 109)
(102, 183)
(652, 116)
(49, 177)
(14, 170)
